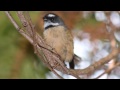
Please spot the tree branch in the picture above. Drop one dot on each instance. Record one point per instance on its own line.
(97, 64)
(108, 70)
(112, 39)
(51, 59)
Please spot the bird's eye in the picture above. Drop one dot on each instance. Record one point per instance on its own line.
(52, 19)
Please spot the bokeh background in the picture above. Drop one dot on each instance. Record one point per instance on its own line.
(17, 58)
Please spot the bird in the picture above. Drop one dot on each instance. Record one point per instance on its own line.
(59, 37)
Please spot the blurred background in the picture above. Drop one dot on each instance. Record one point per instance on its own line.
(91, 43)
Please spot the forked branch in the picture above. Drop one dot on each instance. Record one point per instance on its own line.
(49, 58)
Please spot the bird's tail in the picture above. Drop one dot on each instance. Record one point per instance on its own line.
(72, 63)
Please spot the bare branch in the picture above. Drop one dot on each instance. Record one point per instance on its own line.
(112, 39)
(33, 31)
(49, 58)
(108, 70)
(97, 64)
(17, 27)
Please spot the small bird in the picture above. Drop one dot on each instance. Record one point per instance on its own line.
(58, 36)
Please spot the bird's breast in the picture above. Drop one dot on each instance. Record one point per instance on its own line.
(61, 41)
(55, 35)
(56, 38)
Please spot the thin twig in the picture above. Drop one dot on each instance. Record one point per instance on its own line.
(33, 30)
(17, 27)
(112, 39)
(108, 70)
(97, 64)
(48, 65)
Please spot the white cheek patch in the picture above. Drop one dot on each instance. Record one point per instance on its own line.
(51, 15)
(46, 24)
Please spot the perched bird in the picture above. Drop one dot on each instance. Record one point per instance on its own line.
(59, 37)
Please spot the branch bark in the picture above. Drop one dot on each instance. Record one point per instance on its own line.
(97, 64)
(108, 70)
